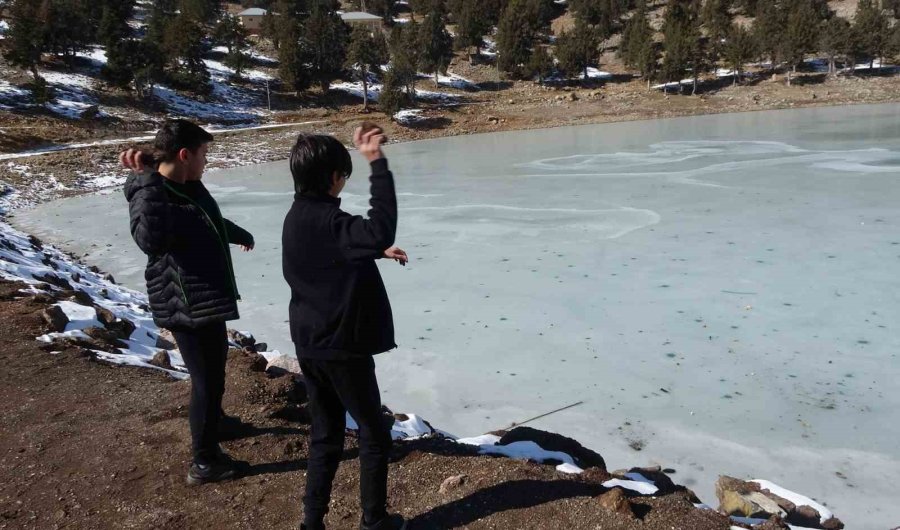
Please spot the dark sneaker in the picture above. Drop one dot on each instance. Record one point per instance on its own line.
(214, 472)
(391, 522)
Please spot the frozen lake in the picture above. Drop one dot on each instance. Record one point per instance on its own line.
(722, 292)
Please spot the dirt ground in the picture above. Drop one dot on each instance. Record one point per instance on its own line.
(90, 445)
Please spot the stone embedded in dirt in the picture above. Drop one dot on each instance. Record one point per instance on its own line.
(162, 360)
(109, 277)
(55, 318)
(451, 483)
(726, 483)
(261, 347)
(584, 457)
(616, 501)
(165, 340)
(35, 242)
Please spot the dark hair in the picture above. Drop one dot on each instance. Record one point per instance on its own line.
(176, 135)
(314, 160)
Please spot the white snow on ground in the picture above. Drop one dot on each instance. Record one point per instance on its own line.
(4, 27)
(453, 81)
(796, 498)
(21, 261)
(409, 117)
(355, 88)
(525, 450)
(75, 92)
(634, 485)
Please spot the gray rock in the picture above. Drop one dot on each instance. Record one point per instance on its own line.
(55, 318)
(162, 360)
(165, 340)
(451, 483)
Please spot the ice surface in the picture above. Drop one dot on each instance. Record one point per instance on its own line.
(720, 291)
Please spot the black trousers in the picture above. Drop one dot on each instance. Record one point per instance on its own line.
(335, 388)
(204, 351)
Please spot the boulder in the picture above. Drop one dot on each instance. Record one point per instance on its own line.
(287, 363)
(165, 340)
(584, 458)
(616, 501)
(54, 280)
(162, 360)
(104, 335)
(55, 318)
(451, 483)
(243, 341)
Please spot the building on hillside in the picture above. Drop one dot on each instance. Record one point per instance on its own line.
(252, 19)
(360, 18)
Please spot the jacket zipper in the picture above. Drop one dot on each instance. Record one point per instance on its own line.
(218, 237)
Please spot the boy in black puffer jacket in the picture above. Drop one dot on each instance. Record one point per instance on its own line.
(190, 278)
(340, 316)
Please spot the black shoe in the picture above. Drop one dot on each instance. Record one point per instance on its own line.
(214, 472)
(390, 522)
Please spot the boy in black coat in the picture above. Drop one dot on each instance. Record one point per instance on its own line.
(340, 315)
(190, 278)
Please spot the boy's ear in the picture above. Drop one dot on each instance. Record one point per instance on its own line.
(183, 154)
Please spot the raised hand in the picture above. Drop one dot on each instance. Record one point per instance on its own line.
(369, 142)
(133, 159)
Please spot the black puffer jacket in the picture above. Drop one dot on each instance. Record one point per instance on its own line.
(190, 279)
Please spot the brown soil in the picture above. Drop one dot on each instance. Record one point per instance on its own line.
(90, 445)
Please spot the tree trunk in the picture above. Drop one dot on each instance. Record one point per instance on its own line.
(831, 67)
(694, 90)
(789, 70)
(365, 79)
(436, 85)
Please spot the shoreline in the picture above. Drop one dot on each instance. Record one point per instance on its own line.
(86, 191)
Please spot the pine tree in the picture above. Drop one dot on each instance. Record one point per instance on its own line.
(638, 50)
(769, 29)
(391, 99)
(68, 27)
(325, 43)
(540, 65)
(203, 12)
(112, 26)
(404, 57)
(801, 34)
(739, 49)
(471, 25)
(836, 41)
(717, 22)
(871, 30)
(183, 44)
(698, 53)
(515, 35)
(383, 8)
(367, 51)
(435, 45)
(677, 45)
(577, 49)
(26, 39)
(285, 30)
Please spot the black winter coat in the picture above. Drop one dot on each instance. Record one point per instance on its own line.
(190, 278)
(339, 308)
